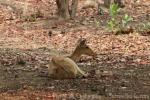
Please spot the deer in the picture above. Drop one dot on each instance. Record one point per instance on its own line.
(62, 67)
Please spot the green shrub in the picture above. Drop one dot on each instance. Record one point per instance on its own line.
(114, 25)
(146, 25)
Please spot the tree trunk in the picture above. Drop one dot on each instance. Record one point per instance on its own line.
(73, 8)
(119, 2)
(107, 3)
(63, 8)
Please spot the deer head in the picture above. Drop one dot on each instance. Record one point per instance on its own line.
(81, 49)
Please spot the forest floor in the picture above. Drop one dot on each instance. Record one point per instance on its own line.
(121, 70)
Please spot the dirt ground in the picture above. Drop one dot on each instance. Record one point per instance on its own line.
(121, 70)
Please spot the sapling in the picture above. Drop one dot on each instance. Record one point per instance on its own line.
(114, 25)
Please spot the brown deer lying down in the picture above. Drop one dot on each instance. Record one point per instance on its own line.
(65, 68)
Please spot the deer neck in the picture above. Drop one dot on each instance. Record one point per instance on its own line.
(75, 56)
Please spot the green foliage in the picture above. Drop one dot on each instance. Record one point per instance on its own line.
(126, 19)
(33, 17)
(30, 18)
(146, 25)
(114, 10)
(97, 23)
(113, 24)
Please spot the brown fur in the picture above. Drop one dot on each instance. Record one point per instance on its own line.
(65, 68)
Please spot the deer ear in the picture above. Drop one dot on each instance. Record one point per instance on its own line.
(82, 41)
